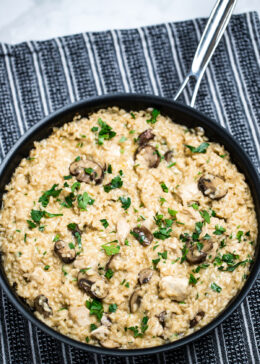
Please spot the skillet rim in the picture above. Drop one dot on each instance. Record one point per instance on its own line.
(160, 102)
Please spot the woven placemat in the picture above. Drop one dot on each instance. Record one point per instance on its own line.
(37, 78)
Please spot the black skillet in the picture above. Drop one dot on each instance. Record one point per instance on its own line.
(181, 114)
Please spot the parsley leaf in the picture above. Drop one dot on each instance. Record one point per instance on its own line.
(96, 308)
(105, 132)
(115, 183)
(44, 199)
(84, 200)
(111, 248)
(193, 280)
(109, 274)
(104, 223)
(154, 115)
(112, 307)
(164, 187)
(219, 230)
(215, 287)
(205, 216)
(125, 201)
(202, 148)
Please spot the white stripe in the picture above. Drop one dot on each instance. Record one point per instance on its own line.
(120, 61)
(247, 333)
(96, 70)
(152, 61)
(148, 62)
(255, 45)
(39, 78)
(211, 85)
(32, 342)
(96, 358)
(189, 354)
(131, 87)
(252, 326)
(11, 82)
(218, 345)
(2, 343)
(65, 68)
(241, 93)
(2, 147)
(224, 344)
(4, 299)
(175, 58)
(64, 353)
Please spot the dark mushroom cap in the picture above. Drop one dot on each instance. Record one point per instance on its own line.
(194, 256)
(42, 306)
(198, 317)
(143, 235)
(106, 320)
(94, 284)
(64, 252)
(162, 318)
(145, 275)
(108, 265)
(150, 154)
(135, 301)
(145, 136)
(212, 186)
(168, 156)
(87, 170)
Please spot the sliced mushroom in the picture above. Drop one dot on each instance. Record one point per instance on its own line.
(162, 318)
(194, 256)
(168, 156)
(135, 301)
(41, 305)
(93, 284)
(110, 264)
(150, 155)
(145, 136)
(105, 320)
(75, 230)
(143, 235)
(87, 170)
(100, 333)
(145, 275)
(64, 252)
(198, 317)
(212, 186)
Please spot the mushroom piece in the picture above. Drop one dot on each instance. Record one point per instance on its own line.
(87, 170)
(64, 252)
(162, 318)
(41, 305)
(105, 320)
(135, 301)
(145, 136)
(150, 155)
(111, 261)
(100, 333)
(198, 317)
(143, 235)
(196, 256)
(145, 275)
(168, 156)
(93, 284)
(212, 186)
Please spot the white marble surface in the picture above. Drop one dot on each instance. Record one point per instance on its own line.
(41, 19)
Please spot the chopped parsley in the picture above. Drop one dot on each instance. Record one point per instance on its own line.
(215, 287)
(115, 183)
(193, 280)
(109, 274)
(195, 206)
(143, 328)
(132, 114)
(205, 216)
(109, 169)
(153, 118)
(111, 248)
(164, 231)
(84, 200)
(164, 187)
(112, 308)
(125, 201)
(37, 215)
(95, 307)
(67, 177)
(239, 235)
(44, 199)
(122, 139)
(163, 255)
(184, 251)
(93, 327)
(219, 230)
(202, 148)
(46, 267)
(105, 132)
(171, 165)
(104, 223)
(75, 186)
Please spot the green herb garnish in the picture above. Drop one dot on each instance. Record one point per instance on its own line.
(202, 148)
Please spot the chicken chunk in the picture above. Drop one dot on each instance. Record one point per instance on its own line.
(80, 315)
(175, 288)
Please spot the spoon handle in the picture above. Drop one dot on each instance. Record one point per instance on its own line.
(211, 36)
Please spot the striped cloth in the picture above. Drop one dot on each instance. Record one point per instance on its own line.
(37, 78)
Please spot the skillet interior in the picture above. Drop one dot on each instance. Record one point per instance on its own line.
(182, 115)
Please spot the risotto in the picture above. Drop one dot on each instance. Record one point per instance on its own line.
(127, 230)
